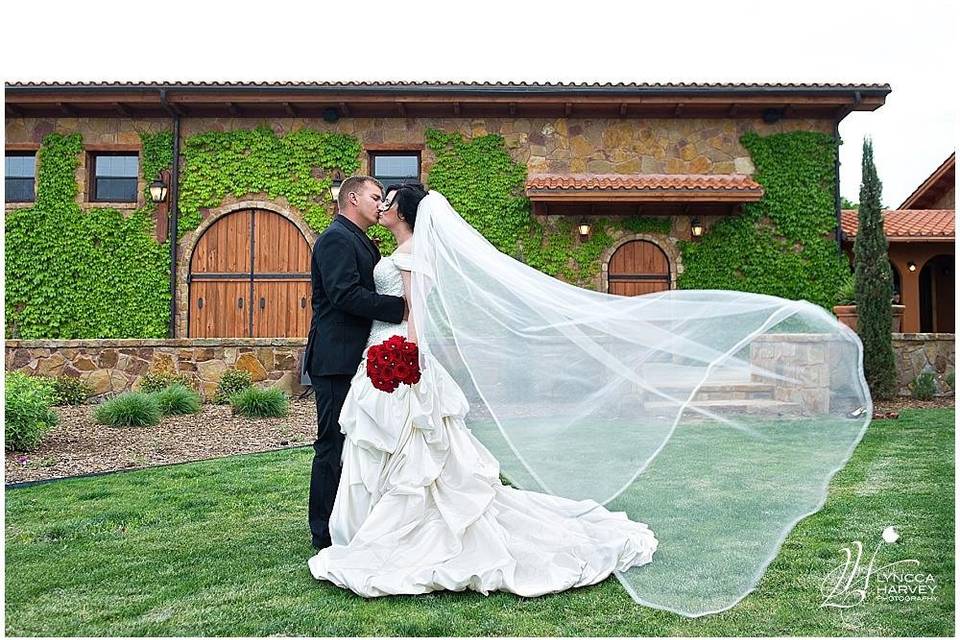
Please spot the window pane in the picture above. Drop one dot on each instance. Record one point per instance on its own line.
(19, 189)
(117, 166)
(20, 166)
(116, 189)
(396, 166)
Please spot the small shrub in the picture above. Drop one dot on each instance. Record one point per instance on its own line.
(27, 402)
(923, 387)
(178, 400)
(231, 382)
(155, 381)
(68, 390)
(259, 403)
(131, 409)
(950, 379)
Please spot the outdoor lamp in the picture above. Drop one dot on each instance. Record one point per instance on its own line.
(912, 265)
(584, 229)
(158, 190)
(335, 185)
(696, 228)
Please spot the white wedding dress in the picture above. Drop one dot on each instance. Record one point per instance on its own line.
(420, 506)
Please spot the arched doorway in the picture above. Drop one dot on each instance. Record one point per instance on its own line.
(250, 277)
(937, 295)
(638, 267)
(897, 286)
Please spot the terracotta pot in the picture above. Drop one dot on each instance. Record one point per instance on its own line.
(847, 314)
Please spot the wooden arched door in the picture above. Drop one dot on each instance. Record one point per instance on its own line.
(250, 277)
(638, 267)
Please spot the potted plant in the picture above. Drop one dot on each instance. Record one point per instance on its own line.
(846, 307)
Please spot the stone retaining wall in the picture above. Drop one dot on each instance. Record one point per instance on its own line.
(113, 366)
(920, 352)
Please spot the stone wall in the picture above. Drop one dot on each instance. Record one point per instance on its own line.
(114, 366)
(924, 352)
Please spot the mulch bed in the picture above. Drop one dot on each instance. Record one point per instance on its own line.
(78, 445)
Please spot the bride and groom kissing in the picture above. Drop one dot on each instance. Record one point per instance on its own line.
(403, 498)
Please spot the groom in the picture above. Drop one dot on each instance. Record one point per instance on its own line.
(345, 303)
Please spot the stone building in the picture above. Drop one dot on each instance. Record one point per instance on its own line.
(632, 188)
(667, 151)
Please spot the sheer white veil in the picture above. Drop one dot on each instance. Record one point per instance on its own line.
(716, 417)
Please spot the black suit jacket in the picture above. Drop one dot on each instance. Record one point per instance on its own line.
(345, 301)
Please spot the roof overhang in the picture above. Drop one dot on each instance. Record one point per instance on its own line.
(441, 99)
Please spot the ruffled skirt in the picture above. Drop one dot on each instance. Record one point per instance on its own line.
(420, 507)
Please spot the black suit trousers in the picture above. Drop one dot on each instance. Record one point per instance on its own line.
(330, 392)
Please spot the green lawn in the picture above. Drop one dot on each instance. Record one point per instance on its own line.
(220, 548)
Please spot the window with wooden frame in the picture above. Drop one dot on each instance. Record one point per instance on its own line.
(20, 173)
(113, 176)
(395, 167)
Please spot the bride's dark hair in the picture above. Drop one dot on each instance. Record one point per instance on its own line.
(409, 195)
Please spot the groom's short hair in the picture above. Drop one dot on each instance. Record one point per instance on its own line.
(354, 183)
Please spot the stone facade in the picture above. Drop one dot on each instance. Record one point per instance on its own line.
(544, 145)
(924, 352)
(114, 366)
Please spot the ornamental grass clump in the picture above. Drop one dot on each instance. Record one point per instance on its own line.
(131, 409)
(231, 382)
(178, 400)
(923, 386)
(259, 403)
(28, 415)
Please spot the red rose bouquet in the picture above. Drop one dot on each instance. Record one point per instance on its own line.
(394, 361)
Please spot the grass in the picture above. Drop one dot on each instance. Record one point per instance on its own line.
(220, 548)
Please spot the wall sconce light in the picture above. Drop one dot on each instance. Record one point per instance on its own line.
(912, 266)
(335, 185)
(584, 229)
(696, 228)
(158, 189)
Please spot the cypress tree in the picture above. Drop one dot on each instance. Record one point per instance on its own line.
(874, 284)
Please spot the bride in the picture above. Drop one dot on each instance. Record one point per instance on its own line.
(420, 505)
(672, 439)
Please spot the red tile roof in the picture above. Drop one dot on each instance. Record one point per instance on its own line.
(907, 224)
(446, 83)
(644, 182)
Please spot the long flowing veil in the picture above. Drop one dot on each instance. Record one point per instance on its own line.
(715, 417)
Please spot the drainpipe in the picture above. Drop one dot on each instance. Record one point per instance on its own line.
(174, 207)
(836, 185)
(857, 99)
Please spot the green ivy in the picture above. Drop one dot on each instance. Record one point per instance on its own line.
(783, 244)
(221, 163)
(486, 186)
(72, 273)
(642, 224)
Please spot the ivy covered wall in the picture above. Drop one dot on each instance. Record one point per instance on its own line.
(75, 272)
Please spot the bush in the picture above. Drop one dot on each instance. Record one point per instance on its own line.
(178, 400)
(131, 409)
(155, 381)
(28, 414)
(232, 381)
(67, 390)
(259, 403)
(951, 380)
(923, 386)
